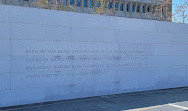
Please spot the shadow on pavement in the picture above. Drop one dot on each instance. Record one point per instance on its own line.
(117, 102)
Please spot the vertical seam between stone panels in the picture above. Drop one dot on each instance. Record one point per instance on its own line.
(186, 70)
(172, 38)
(10, 57)
(186, 63)
(155, 32)
(117, 83)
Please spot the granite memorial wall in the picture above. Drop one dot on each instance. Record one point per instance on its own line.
(48, 55)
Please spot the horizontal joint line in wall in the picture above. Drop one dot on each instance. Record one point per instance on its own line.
(85, 41)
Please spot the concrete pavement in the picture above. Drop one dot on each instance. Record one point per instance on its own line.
(159, 100)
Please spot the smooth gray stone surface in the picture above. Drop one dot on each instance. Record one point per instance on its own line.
(48, 55)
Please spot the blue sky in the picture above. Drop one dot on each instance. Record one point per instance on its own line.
(178, 2)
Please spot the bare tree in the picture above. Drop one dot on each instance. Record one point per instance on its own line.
(162, 10)
(181, 12)
(51, 4)
(103, 8)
